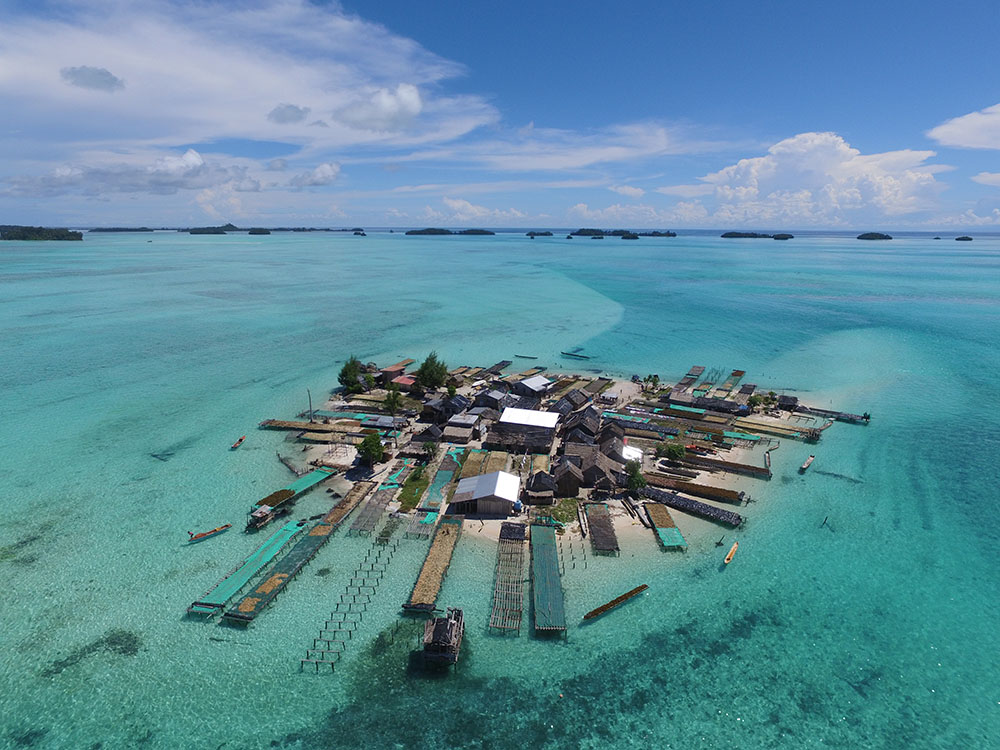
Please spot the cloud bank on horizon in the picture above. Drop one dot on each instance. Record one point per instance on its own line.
(284, 111)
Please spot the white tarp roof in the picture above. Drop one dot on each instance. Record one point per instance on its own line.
(498, 484)
(530, 417)
(536, 382)
(631, 453)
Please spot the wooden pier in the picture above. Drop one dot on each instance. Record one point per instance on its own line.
(688, 505)
(428, 585)
(719, 494)
(840, 416)
(760, 472)
(663, 526)
(546, 584)
(251, 605)
(508, 585)
(602, 530)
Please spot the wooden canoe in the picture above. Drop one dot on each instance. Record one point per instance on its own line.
(206, 534)
(732, 551)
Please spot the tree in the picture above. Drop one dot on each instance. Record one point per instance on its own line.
(636, 481)
(452, 390)
(371, 450)
(430, 450)
(349, 375)
(369, 381)
(393, 400)
(754, 401)
(433, 372)
(675, 451)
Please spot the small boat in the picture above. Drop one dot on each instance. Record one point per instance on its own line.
(194, 538)
(732, 551)
(615, 602)
(525, 356)
(806, 465)
(577, 356)
(238, 443)
(443, 637)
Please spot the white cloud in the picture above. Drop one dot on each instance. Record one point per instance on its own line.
(288, 113)
(975, 130)
(635, 216)
(461, 211)
(324, 174)
(384, 109)
(86, 77)
(686, 191)
(987, 178)
(629, 190)
(161, 176)
(818, 178)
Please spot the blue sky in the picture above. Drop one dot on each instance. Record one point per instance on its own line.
(777, 115)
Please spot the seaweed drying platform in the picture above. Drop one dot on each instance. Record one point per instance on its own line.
(508, 586)
(432, 573)
(546, 585)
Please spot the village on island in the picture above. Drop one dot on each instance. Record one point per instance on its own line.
(529, 455)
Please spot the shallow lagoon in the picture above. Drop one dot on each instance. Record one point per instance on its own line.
(876, 630)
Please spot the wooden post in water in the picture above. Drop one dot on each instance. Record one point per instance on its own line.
(310, 405)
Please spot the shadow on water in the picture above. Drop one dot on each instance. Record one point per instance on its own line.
(835, 475)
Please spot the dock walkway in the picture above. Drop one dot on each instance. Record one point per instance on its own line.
(688, 505)
(761, 472)
(256, 600)
(719, 494)
(663, 524)
(435, 496)
(546, 585)
(602, 530)
(216, 597)
(508, 585)
(428, 585)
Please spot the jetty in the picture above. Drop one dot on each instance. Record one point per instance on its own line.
(839, 416)
(689, 380)
(213, 600)
(280, 502)
(695, 507)
(664, 527)
(760, 472)
(508, 583)
(602, 530)
(719, 494)
(428, 585)
(546, 585)
(251, 605)
(615, 602)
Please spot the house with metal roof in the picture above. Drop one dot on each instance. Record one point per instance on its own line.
(495, 494)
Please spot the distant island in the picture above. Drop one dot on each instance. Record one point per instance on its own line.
(435, 231)
(746, 236)
(963, 238)
(623, 233)
(588, 233)
(629, 236)
(874, 236)
(259, 230)
(120, 229)
(16, 232)
(657, 233)
(538, 234)
(211, 230)
(783, 236)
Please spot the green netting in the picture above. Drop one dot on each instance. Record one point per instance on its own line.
(429, 518)
(741, 436)
(360, 416)
(312, 478)
(671, 537)
(230, 586)
(546, 586)
(690, 409)
(627, 417)
(435, 493)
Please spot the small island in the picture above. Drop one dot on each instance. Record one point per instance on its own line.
(783, 236)
(259, 230)
(746, 236)
(588, 233)
(481, 232)
(429, 231)
(657, 233)
(538, 234)
(963, 238)
(211, 230)
(36, 234)
(874, 236)
(629, 236)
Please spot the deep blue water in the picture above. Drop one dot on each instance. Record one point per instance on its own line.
(875, 630)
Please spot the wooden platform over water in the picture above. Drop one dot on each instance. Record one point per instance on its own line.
(719, 494)
(508, 584)
(688, 505)
(546, 584)
(602, 530)
(663, 526)
(428, 585)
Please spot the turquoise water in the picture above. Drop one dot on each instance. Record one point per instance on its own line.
(874, 630)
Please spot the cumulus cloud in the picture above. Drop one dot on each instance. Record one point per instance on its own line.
(630, 191)
(975, 130)
(818, 178)
(324, 174)
(287, 113)
(277, 165)
(384, 109)
(639, 215)
(461, 210)
(86, 77)
(163, 176)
